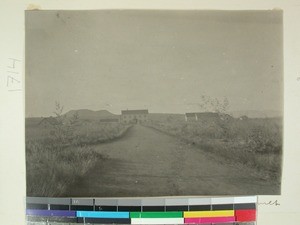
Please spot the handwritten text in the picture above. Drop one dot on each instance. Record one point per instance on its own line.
(13, 79)
(270, 203)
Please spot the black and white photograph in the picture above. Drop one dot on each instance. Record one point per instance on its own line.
(143, 103)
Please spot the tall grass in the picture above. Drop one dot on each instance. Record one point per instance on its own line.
(97, 132)
(254, 142)
(57, 155)
(50, 170)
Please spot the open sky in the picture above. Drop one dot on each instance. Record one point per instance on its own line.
(163, 61)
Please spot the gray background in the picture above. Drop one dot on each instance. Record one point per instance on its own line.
(160, 60)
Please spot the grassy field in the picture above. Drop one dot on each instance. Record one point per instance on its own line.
(254, 142)
(57, 155)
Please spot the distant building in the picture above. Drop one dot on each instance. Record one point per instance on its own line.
(195, 116)
(111, 120)
(134, 116)
(191, 117)
(201, 116)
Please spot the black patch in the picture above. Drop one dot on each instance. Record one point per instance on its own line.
(129, 208)
(177, 208)
(59, 207)
(36, 206)
(153, 208)
(245, 206)
(82, 207)
(106, 208)
(222, 207)
(199, 207)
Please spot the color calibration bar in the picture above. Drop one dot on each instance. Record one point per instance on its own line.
(219, 210)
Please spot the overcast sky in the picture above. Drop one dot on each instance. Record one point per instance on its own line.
(163, 61)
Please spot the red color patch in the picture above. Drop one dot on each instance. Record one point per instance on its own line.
(244, 215)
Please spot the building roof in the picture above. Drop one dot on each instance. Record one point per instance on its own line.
(139, 111)
(190, 114)
(193, 114)
(209, 115)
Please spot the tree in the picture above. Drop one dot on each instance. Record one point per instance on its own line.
(63, 132)
(210, 104)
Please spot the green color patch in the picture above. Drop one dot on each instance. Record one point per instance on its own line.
(156, 215)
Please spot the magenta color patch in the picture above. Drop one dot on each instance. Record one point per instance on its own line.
(210, 219)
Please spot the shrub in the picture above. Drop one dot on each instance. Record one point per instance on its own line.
(254, 142)
(60, 153)
(50, 170)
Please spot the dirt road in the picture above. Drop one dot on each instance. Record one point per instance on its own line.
(146, 162)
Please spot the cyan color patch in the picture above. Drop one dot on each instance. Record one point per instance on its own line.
(102, 214)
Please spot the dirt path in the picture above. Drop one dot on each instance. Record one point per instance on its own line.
(146, 162)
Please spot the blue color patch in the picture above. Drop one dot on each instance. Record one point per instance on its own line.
(102, 214)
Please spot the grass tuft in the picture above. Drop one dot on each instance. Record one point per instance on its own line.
(256, 143)
(56, 156)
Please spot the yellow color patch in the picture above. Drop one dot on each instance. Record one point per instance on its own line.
(217, 213)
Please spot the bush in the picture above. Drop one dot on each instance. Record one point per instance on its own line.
(254, 142)
(60, 153)
(50, 170)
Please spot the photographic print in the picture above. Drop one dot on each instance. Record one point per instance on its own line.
(141, 103)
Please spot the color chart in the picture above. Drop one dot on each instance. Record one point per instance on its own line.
(192, 210)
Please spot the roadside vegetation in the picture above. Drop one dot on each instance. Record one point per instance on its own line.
(60, 150)
(256, 143)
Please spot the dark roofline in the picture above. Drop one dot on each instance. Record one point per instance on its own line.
(190, 114)
(137, 111)
(201, 113)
